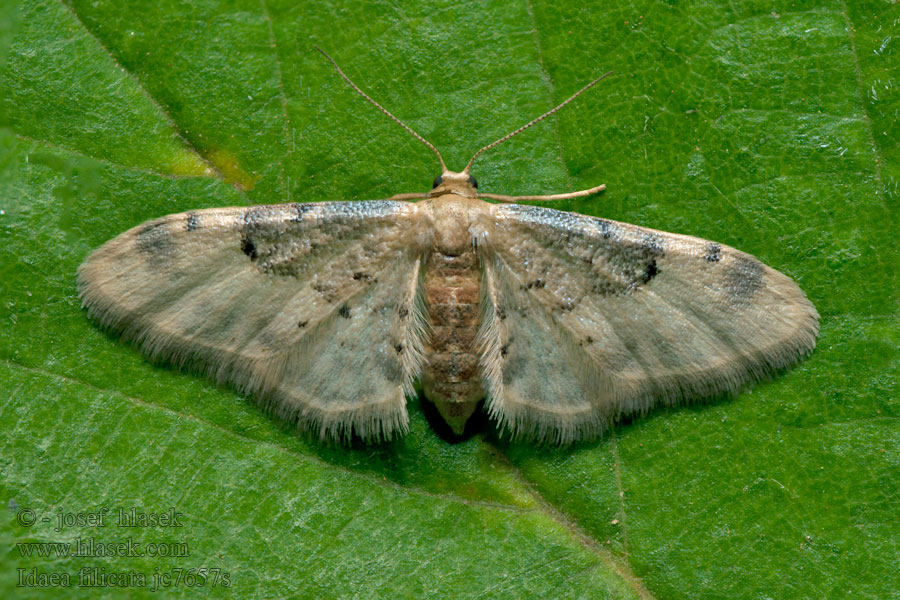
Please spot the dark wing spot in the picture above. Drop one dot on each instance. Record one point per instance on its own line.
(744, 279)
(589, 340)
(398, 348)
(501, 312)
(303, 324)
(650, 271)
(248, 247)
(249, 244)
(192, 223)
(537, 283)
(713, 252)
(359, 275)
(404, 312)
(344, 311)
(155, 240)
(504, 349)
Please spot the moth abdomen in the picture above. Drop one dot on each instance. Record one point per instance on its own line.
(451, 377)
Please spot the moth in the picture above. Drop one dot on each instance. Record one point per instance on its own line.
(329, 312)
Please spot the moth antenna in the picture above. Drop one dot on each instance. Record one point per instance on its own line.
(535, 121)
(386, 111)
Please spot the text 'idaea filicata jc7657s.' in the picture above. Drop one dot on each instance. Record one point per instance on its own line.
(328, 312)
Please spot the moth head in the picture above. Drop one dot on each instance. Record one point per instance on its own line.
(448, 182)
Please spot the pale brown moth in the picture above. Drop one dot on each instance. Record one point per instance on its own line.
(327, 313)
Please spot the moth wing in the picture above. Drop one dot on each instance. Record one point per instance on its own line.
(314, 309)
(587, 319)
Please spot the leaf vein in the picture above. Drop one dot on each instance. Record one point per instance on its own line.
(176, 130)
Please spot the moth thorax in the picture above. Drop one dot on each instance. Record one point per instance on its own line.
(451, 226)
(451, 378)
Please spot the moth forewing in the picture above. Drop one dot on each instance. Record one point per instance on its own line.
(281, 301)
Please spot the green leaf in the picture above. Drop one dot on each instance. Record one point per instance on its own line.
(769, 127)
